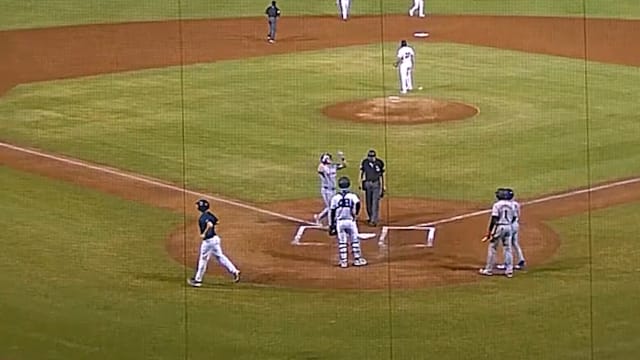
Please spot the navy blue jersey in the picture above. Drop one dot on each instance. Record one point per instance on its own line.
(202, 223)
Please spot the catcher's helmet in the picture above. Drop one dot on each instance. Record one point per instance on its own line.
(344, 182)
(403, 43)
(203, 205)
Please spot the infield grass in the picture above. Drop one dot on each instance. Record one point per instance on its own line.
(84, 275)
(531, 133)
(32, 13)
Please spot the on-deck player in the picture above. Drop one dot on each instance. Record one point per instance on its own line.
(210, 246)
(345, 207)
(327, 172)
(405, 58)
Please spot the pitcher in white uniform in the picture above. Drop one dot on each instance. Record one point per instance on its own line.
(327, 172)
(500, 232)
(345, 207)
(405, 58)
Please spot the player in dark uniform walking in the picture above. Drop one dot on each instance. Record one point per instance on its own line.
(210, 246)
(273, 13)
(372, 177)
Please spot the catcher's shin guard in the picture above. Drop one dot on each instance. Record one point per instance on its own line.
(342, 248)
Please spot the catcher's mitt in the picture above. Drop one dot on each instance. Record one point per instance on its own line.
(333, 230)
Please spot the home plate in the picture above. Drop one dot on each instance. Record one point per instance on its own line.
(365, 236)
(421, 34)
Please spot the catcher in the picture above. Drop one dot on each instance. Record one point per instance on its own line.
(500, 232)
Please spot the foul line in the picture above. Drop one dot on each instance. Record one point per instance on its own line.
(153, 182)
(536, 201)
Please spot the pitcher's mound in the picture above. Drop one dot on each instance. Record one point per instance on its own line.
(401, 110)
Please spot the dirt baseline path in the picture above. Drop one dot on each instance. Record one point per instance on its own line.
(260, 242)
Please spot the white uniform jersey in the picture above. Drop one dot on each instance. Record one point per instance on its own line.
(328, 174)
(406, 55)
(505, 212)
(516, 210)
(344, 204)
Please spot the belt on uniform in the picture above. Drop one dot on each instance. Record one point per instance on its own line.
(503, 224)
(328, 188)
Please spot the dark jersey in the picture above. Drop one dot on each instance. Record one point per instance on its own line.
(372, 170)
(202, 224)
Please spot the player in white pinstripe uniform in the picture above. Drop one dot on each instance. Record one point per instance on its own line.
(515, 233)
(327, 172)
(345, 207)
(500, 232)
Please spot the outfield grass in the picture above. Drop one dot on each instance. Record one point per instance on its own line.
(531, 132)
(31, 13)
(84, 275)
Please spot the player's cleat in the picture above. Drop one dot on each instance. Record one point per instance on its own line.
(271, 41)
(194, 283)
(520, 265)
(508, 274)
(343, 264)
(360, 262)
(501, 267)
(236, 277)
(485, 272)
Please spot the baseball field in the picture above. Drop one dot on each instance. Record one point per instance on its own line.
(116, 116)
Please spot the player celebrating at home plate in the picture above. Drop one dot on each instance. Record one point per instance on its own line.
(345, 207)
(418, 5)
(405, 59)
(210, 246)
(343, 8)
(328, 171)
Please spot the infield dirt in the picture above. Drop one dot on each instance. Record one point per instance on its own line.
(261, 243)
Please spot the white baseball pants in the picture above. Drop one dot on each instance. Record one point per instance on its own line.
(348, 233)
(418, 5)
(406, 78)
(343, 8)
(212, 247)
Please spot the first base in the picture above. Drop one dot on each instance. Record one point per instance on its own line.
(421, 34)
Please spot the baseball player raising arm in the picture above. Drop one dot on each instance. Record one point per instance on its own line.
(502, 215)
(327, 172)
(405, 58)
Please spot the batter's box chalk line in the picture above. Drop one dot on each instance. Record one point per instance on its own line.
(430, 232)
(297, 238)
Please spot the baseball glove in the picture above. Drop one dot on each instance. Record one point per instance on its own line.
(333, 230)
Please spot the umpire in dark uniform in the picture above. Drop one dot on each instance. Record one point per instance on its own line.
(273, 13)
(372, 177)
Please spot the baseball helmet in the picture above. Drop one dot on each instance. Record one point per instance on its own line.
(502, 194)
(203, 205)
(510, 193)
(344, 182)
(403, 43)
(325, 158)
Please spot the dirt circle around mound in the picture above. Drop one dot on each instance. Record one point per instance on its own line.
(262, 248)
(401, 110)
